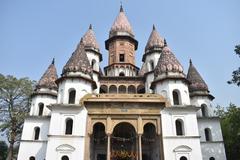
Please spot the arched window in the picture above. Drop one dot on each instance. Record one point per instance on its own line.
(208, 134)
(32, 158)
(36, 133)
(204, 110)
(121, 74)
(183, 158)
(179, 127)
(176, 97)
(69, 126)
(211, 158)
(94, 64)
(131, 89)
(40, 109)
(151, 65)
(122, 89)
(112, 89)
(103, 89)
(71, 97)
(64, 158)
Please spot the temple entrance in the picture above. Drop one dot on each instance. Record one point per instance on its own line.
(123, 142)
(150, 143)
(99, 142)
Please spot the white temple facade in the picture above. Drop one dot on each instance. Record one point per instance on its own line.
(156, 112)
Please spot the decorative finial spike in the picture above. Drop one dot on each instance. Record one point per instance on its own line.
(165, 42)
(121, 7)
(190, 61)
(90, 26)
(53, 61)
(154, 28)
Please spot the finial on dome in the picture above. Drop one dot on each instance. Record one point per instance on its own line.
(190, 61)
(90, 26)
(165, 42)
(154, 28)
(53, 60)
(121, 7)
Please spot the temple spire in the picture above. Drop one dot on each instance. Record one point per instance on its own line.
(121, 7)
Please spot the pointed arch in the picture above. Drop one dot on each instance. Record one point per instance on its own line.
(69, 126)
(183, 158)
(131, 89)
(36, 133)
(122, 89)
(208, 134)
(176, 97)
(204, 110)
(112, 89)
(179, 127)
(71, 96)
(40, 109)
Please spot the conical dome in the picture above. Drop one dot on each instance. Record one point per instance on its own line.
(49, 77)
(168, 63)
(121, 25)
(89, 39)
(78, 62)
(154, 40)
(195, 79)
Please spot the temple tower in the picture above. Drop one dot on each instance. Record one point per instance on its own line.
(121, 46)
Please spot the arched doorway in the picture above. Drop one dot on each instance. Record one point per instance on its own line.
(150, 143)
(99, 142)
(123, 142)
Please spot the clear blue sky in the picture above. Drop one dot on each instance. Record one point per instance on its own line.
(33, 32)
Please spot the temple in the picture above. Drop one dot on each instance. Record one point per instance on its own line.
(122, 112)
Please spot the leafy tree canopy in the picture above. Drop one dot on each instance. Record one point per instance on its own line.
(230, 124)
(14, 106)
(236, 73)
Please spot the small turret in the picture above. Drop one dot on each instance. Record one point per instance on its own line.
(199, 93)
(169, 79)
(77, 77)
(45, 92)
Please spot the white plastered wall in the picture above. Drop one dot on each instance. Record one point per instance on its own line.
(187, 145)
(30, 147)
(81, 86)
(166, 88)
(46, 100)
(199, 100)
(70, 145)
(215, 147)
(154, 57)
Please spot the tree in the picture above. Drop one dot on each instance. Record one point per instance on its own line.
(230, 124)
(14, 106)
(236, 73)
(3, 150)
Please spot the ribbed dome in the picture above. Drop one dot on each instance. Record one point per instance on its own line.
(168, 63)
(49, 77)
(78, 62)
(196, 81)
(121, 25)
(89, 39)
(154, 40)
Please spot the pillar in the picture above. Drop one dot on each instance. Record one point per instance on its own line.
(108, 147)
(140, 146)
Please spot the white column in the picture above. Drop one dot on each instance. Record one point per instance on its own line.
(108, 147)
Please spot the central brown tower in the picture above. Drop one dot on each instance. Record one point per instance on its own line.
(121, 46)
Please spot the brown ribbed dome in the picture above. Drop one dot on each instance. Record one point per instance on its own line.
(89, 39)
(121, 25)
(196, 81)
(154, 40)
(49, 77)
(78, 62)
(168, 63)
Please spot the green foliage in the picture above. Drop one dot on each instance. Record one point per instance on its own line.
(3, 150)
(14, 106)
(236, 73)
(230, 123)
